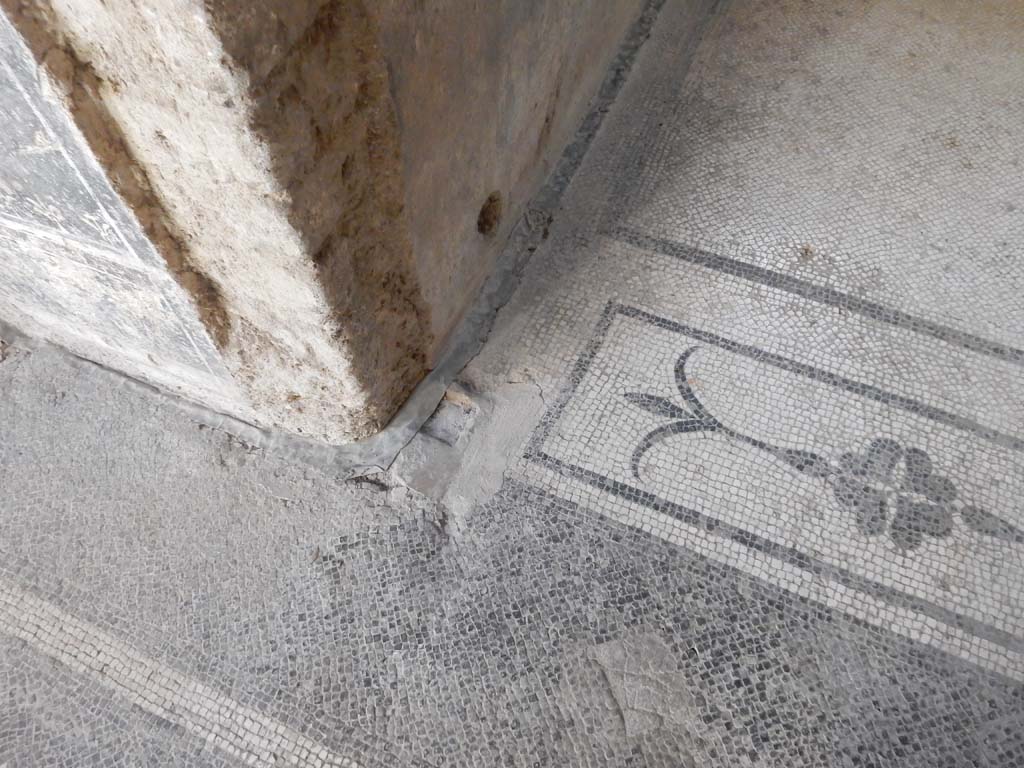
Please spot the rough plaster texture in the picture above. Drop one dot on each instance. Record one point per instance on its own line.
(275, 194)
(313, 172)
(77, 269)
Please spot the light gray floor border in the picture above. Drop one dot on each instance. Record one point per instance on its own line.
(376, 453)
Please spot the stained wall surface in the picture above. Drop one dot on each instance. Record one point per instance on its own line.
(487, 95)
(329, 182)
(268, 193)
(75, 267)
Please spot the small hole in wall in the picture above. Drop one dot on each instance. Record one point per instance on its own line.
(490, 215)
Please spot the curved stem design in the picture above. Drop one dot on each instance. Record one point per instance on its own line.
(924, 507)
(703, 421)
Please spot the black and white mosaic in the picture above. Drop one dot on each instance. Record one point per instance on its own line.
(880, 521)
(735, 481)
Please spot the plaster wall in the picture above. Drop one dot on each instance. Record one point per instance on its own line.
(487, 95)
(329, 180)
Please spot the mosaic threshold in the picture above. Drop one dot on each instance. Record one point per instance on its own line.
(735, 481)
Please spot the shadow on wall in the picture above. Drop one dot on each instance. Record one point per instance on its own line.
(317, 188)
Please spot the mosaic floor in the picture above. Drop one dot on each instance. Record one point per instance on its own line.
(735, 481)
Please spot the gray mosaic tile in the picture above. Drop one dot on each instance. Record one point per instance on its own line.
(53, 717)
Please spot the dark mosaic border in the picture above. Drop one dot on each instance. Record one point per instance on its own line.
(535, 453)
(819, 293)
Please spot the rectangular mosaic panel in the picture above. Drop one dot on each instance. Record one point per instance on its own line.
(891, 508)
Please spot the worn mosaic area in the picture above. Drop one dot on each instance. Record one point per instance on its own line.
(795, 316)
(735, 481)
(235, 607)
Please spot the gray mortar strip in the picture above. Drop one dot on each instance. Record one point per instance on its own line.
(376, 453)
